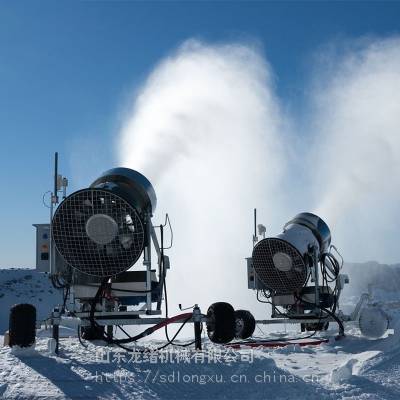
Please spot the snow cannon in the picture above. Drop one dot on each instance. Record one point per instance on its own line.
(282, 262)
(297, 272)
(101, 231)
(98, 235)
(92, 249)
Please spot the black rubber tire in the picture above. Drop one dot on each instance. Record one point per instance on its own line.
(245, 324)
(221, 322)
(22, 325)
(93, 333)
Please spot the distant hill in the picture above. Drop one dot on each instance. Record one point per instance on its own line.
(26, 286)
(380, 276)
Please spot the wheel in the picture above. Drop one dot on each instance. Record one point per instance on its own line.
(92, 333)
(221, 322)
(373, 322)
(22, 326)
(245, 324)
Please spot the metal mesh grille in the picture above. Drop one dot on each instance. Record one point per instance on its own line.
(273, 278)
(106, 255)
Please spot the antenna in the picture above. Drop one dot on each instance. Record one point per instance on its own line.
(60, 183)
(55, 196)
(255, 237)
(54, 200)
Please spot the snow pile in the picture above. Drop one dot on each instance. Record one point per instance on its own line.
(343, 372)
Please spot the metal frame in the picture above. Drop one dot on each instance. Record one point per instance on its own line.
(147, 308)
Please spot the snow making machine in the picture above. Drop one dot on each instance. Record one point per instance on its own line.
(298, 273)
(91, 250)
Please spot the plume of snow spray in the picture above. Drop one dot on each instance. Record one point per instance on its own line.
(205, 129)
(208, 132)
(358, 151)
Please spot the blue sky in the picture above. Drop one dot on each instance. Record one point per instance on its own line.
(68, 69)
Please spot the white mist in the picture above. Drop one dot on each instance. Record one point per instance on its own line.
(206, 130)
(356, 165)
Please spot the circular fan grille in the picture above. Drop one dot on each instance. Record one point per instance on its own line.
(97, 232)
(281, 277)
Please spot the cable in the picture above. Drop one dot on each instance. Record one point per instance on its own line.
(66, 294)
(123, 330)
(80, 338)
(168, 221)
(120, 342)
(170, 342)
(273, 340)
(93, 323)
(339, 322)
(151, 329)
(275, 309)
(56, 283)
(261, 301)
(330, 313)
(190, 343)
(43, 199)
(267, 293)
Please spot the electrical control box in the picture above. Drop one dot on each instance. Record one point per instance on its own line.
(253, 282)
(42, 247)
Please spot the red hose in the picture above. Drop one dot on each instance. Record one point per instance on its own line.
(277, 344)
(171, 320)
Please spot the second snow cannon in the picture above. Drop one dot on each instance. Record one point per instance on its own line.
(282, 262)
(298, 273)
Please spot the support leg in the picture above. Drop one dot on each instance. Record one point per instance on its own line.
(110, 331)
(197, 327)
(56, 328)
(197, 335)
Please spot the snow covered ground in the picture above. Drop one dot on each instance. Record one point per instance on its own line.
(25, 286)
(352, 368)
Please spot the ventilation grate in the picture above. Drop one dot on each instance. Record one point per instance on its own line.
(279, 265)
(98, 233)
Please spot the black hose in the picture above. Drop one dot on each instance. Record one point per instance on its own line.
(170, 342)
(80, 337)
(330, 313)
